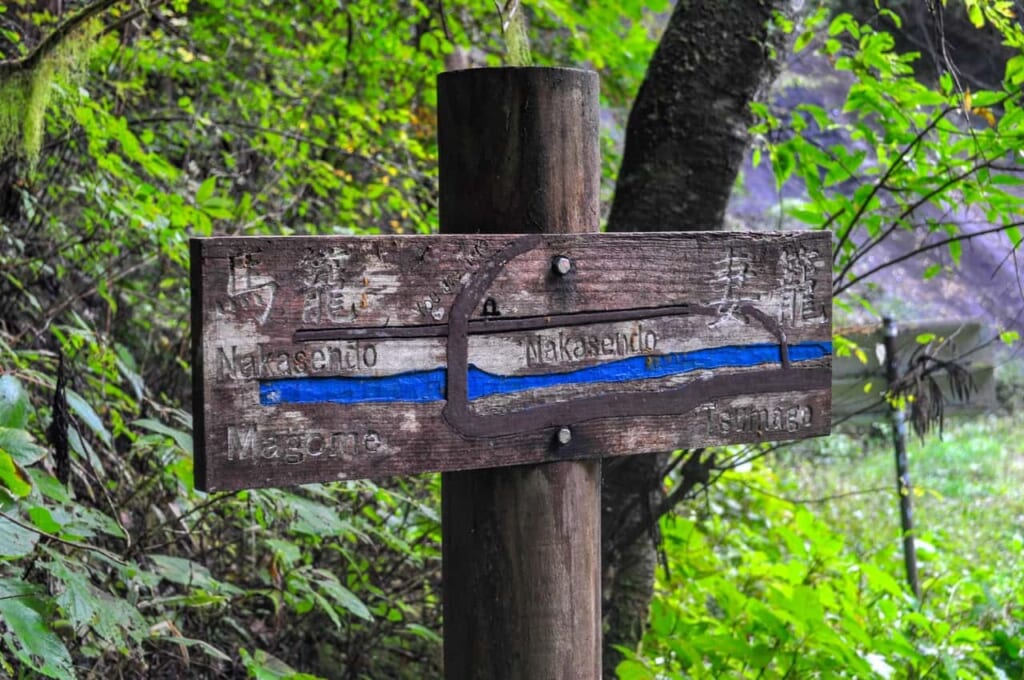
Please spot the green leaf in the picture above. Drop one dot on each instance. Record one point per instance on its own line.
(803, 40)
(35, 643)
(13, 403)
(182, 571)
(925, 338)
(1009, 337)
(44, 520)
(19, 444)
(782, 163)
(264, 666)
(82, 409)
(343, 596)
(931, 271)
(975, 14)
(634, 670)
(314, 519)
(77, 599)
(422, 631)
(955, 249)
(1013, 233)
(12, 477)
(15, 540)
(205, 191)
(182, 439)
(1015, 70)
(206, 647)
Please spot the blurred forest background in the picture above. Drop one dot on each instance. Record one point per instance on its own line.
(127, 127)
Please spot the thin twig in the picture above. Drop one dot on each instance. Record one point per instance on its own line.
(888, 173)
(71, 544)
(923, 249)
(906, 212)
(811, 501)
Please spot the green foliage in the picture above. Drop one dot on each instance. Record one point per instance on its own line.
(230, 117)
(936, 160)
(760, 587)
(237, 117)
(27, 94)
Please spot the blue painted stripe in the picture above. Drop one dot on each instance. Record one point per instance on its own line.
(428, 386)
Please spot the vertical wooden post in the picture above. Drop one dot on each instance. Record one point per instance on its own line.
(519, 153)
(899, 440)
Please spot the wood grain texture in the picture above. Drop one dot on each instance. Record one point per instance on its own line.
(669, 324)
(518, 152)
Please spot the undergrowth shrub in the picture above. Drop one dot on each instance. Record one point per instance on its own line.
(755, 586)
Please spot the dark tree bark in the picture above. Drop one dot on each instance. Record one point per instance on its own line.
(685, 141)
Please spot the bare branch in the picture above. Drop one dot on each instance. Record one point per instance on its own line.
(923, 249)
(888, 173)
(906, 212)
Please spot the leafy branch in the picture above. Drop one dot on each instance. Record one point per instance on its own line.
(900, 160)
(53, 39)
(63, 541)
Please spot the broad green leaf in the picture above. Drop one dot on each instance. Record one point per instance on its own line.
(19, 444)
(35, 643)
(1015, 70)
(182, 439)
(43, 519)
(15, 540)
(76, 598)
(343, 596)
(86, 413)
(975, 14)
(206, 189)
(12, 477)
(313, 518)
(634, 670)
(803, 40)
(783, 163)
(264, 666)
(182, 571)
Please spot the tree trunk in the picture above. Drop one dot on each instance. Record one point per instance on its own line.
(685, 142)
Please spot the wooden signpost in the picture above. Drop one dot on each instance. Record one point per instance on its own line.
(319, 359)
(344, 357)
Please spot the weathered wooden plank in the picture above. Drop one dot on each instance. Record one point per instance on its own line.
(518, 152)
(324, 358)
(326, 282)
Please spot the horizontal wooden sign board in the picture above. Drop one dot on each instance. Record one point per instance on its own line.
(328, 358)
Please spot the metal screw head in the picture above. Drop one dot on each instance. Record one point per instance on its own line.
(562, 265)
(564, 435)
